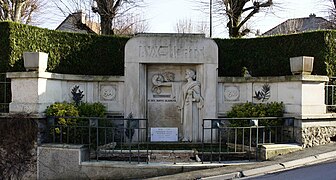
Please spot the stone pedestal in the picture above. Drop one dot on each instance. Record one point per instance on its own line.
(35, 61)
(301, 65)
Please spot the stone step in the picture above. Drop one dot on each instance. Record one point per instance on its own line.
(267, 151)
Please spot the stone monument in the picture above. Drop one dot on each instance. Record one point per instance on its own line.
(171, 79)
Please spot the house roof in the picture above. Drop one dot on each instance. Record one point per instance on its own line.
(301, 25)
(77, 22)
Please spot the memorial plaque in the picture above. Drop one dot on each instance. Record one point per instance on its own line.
(164, 134)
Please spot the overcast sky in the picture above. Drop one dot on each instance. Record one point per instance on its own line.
(163, 15)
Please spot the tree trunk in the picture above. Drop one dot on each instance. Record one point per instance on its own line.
(17, 11)
(106, 25)
(334, 3)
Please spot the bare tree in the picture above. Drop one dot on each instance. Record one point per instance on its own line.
(130, 25)
(108, 10)
(187, 26)
(184, 26)
(111, 12)
(237, 12)
(332, 10)
(20, 10)
(234, 10)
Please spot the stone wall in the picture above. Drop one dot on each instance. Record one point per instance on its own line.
(32, 92)
(294, 91)
(318, 135)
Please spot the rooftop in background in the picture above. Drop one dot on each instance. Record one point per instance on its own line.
(78, 22)
(296, 25)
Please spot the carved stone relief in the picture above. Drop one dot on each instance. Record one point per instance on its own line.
(107, 92)
(162, 84)
(231, 93)
(263, 93)
(160, 80)
(81, 87)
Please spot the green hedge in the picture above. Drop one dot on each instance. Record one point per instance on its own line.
(74, 53)
(4, 46)
(70, 53)
(269, 56)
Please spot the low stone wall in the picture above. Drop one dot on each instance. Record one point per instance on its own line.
(64, 161)
(294, 91)
(314, 132)
(314, 136)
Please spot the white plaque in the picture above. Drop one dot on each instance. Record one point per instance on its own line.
(164, 134)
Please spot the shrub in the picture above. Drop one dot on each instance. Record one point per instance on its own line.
(92, 109)
(63, 110)
(249, 109)
(18, 147)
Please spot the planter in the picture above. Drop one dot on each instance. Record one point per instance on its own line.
(301, 65)
(35, 61)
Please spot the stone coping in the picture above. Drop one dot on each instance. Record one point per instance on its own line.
(270, 79)
(280, 146)
(26, 115)
(63, 146)
(122, 164)
(150, 151)
(274, 79)
(68, 77)
(199, 35)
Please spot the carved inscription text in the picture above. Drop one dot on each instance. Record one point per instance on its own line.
(171, 52)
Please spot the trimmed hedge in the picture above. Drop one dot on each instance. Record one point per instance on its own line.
(69, 53)
(74, 53)
(4, 47)
(269, 56)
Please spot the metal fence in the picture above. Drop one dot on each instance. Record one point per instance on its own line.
(107, 138)
(127, 139)
(5, 93)
(330, 95)
(220, 139)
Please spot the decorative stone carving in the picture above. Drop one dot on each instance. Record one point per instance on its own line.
(79, 86)
(191, 105)
(108, 92)
(231, 93)
(162, 79)
(263, 94)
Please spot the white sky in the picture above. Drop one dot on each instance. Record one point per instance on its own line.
(163, 15)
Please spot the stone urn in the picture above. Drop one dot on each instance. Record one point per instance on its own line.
(35, 61)
(301, 65)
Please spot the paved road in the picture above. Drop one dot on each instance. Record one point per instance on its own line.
(323, 171)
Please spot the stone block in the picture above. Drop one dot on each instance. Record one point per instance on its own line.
(268, 151)
(35, 61)
(61, 161)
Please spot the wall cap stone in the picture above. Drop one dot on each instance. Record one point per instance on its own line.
(274, 79)
(69, 77)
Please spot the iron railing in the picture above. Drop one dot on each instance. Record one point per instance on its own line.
(330, 95)
(107, 138)
(5, 93)
(220, 139)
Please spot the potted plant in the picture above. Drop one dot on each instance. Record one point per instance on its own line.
(301, 65)
(35, 61)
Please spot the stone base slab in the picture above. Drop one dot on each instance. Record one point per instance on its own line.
(268, 151)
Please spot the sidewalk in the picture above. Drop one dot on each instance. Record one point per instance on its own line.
(235, 170)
